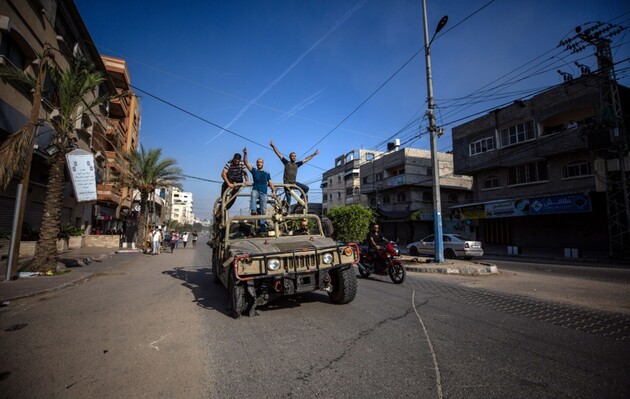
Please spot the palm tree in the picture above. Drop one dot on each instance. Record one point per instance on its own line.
(145, 172)
(72, 88)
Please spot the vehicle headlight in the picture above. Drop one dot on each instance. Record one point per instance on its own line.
(327, 258)
(273, 264)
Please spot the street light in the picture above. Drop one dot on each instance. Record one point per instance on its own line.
(433, 131)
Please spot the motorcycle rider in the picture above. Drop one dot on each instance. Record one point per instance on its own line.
(375, 239)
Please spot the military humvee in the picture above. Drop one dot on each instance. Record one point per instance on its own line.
(258, 258)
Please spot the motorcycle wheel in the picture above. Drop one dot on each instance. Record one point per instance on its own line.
(363, 271)
(397, 273)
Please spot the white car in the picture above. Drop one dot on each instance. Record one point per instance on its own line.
(455, 246)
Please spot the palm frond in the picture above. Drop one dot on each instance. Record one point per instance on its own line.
(13, 153)
(8, 72)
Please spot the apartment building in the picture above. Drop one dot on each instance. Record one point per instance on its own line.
(113, 206)
(25, 26)
(550, 172)
(181, 206)
(398, 185)
(341, 184)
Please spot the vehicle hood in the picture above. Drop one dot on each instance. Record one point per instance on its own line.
(284, 244)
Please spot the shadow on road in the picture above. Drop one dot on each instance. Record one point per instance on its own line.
(199, 281)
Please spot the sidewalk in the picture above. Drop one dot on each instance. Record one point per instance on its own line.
(81, 263)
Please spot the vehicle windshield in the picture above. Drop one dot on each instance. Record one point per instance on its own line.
(241, 228)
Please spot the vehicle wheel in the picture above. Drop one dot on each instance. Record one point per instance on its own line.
(344, 282)
(413, 251)
(236, 291)
(449, 253)
(397, 273)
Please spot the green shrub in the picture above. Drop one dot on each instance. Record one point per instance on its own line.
(67, 230)
(351, 222)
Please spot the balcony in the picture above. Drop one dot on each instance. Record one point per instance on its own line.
(119, 107)
(108, 193)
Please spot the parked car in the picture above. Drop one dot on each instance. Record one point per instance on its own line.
(455, 246)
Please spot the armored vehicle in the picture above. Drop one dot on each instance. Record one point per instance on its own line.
(259, 258)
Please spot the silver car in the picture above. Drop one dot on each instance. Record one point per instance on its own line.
(455, 246)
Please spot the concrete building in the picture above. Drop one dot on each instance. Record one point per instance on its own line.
(398, 185)
(549, 173)
(181, 206)
(112, 209)
(24, 28)
(341, 184)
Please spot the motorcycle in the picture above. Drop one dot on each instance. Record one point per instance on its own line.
(385, 262)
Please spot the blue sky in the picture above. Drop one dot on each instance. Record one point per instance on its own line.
(332, 75)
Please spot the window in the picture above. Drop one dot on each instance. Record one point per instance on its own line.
(576, 169)
(350, 157)
(401, 197)
(427, 197)
(365, 180)
(481, 146)
(386, 199)
(379, 176)
(10, 51)
(429, 172)
(349, 192)
(330, 197)
(490, 182)
(527, 173)
(330, 181)
(338, 194)
(339, 179)
(518, 133)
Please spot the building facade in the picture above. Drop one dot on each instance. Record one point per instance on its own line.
(549, 173)
(341, 185)
(25, 26)
(398, 185)
(181, 206)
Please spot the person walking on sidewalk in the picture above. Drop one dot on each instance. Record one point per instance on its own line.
(290, 170)
(174, 239)
(194, 238)
(156, 240)
(185, 239)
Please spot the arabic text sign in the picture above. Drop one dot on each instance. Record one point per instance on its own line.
(83, 175)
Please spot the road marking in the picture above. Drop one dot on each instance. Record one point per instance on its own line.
(438, 380)
(152, 344)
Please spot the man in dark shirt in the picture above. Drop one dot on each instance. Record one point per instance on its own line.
(375, 238)
(290, 170)
(234, 172)
(304, 230)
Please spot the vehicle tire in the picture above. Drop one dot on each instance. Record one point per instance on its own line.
(413, 251)
(449, 253)
(344, 282)
(237, 302)
(397, 273)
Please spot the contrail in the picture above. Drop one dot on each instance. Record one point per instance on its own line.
(343, 19)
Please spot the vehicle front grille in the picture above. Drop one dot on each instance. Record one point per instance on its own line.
(297, 262)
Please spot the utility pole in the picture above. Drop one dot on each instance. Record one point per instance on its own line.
(598, 34)
(22, 188)
(433, 131)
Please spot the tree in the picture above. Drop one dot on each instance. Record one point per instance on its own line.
(351, 222)
(74, 90)
(145, 172)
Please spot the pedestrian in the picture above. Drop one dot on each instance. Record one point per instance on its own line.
(261, 180)
(174, 239)
(185, 239)
(194, 238)
(234, 172)
(156, 239)
(290, 170)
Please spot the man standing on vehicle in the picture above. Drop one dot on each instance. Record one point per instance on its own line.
(261, 179)
(290, 170)
(234, 172)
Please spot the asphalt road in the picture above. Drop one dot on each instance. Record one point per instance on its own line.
(155, 326)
